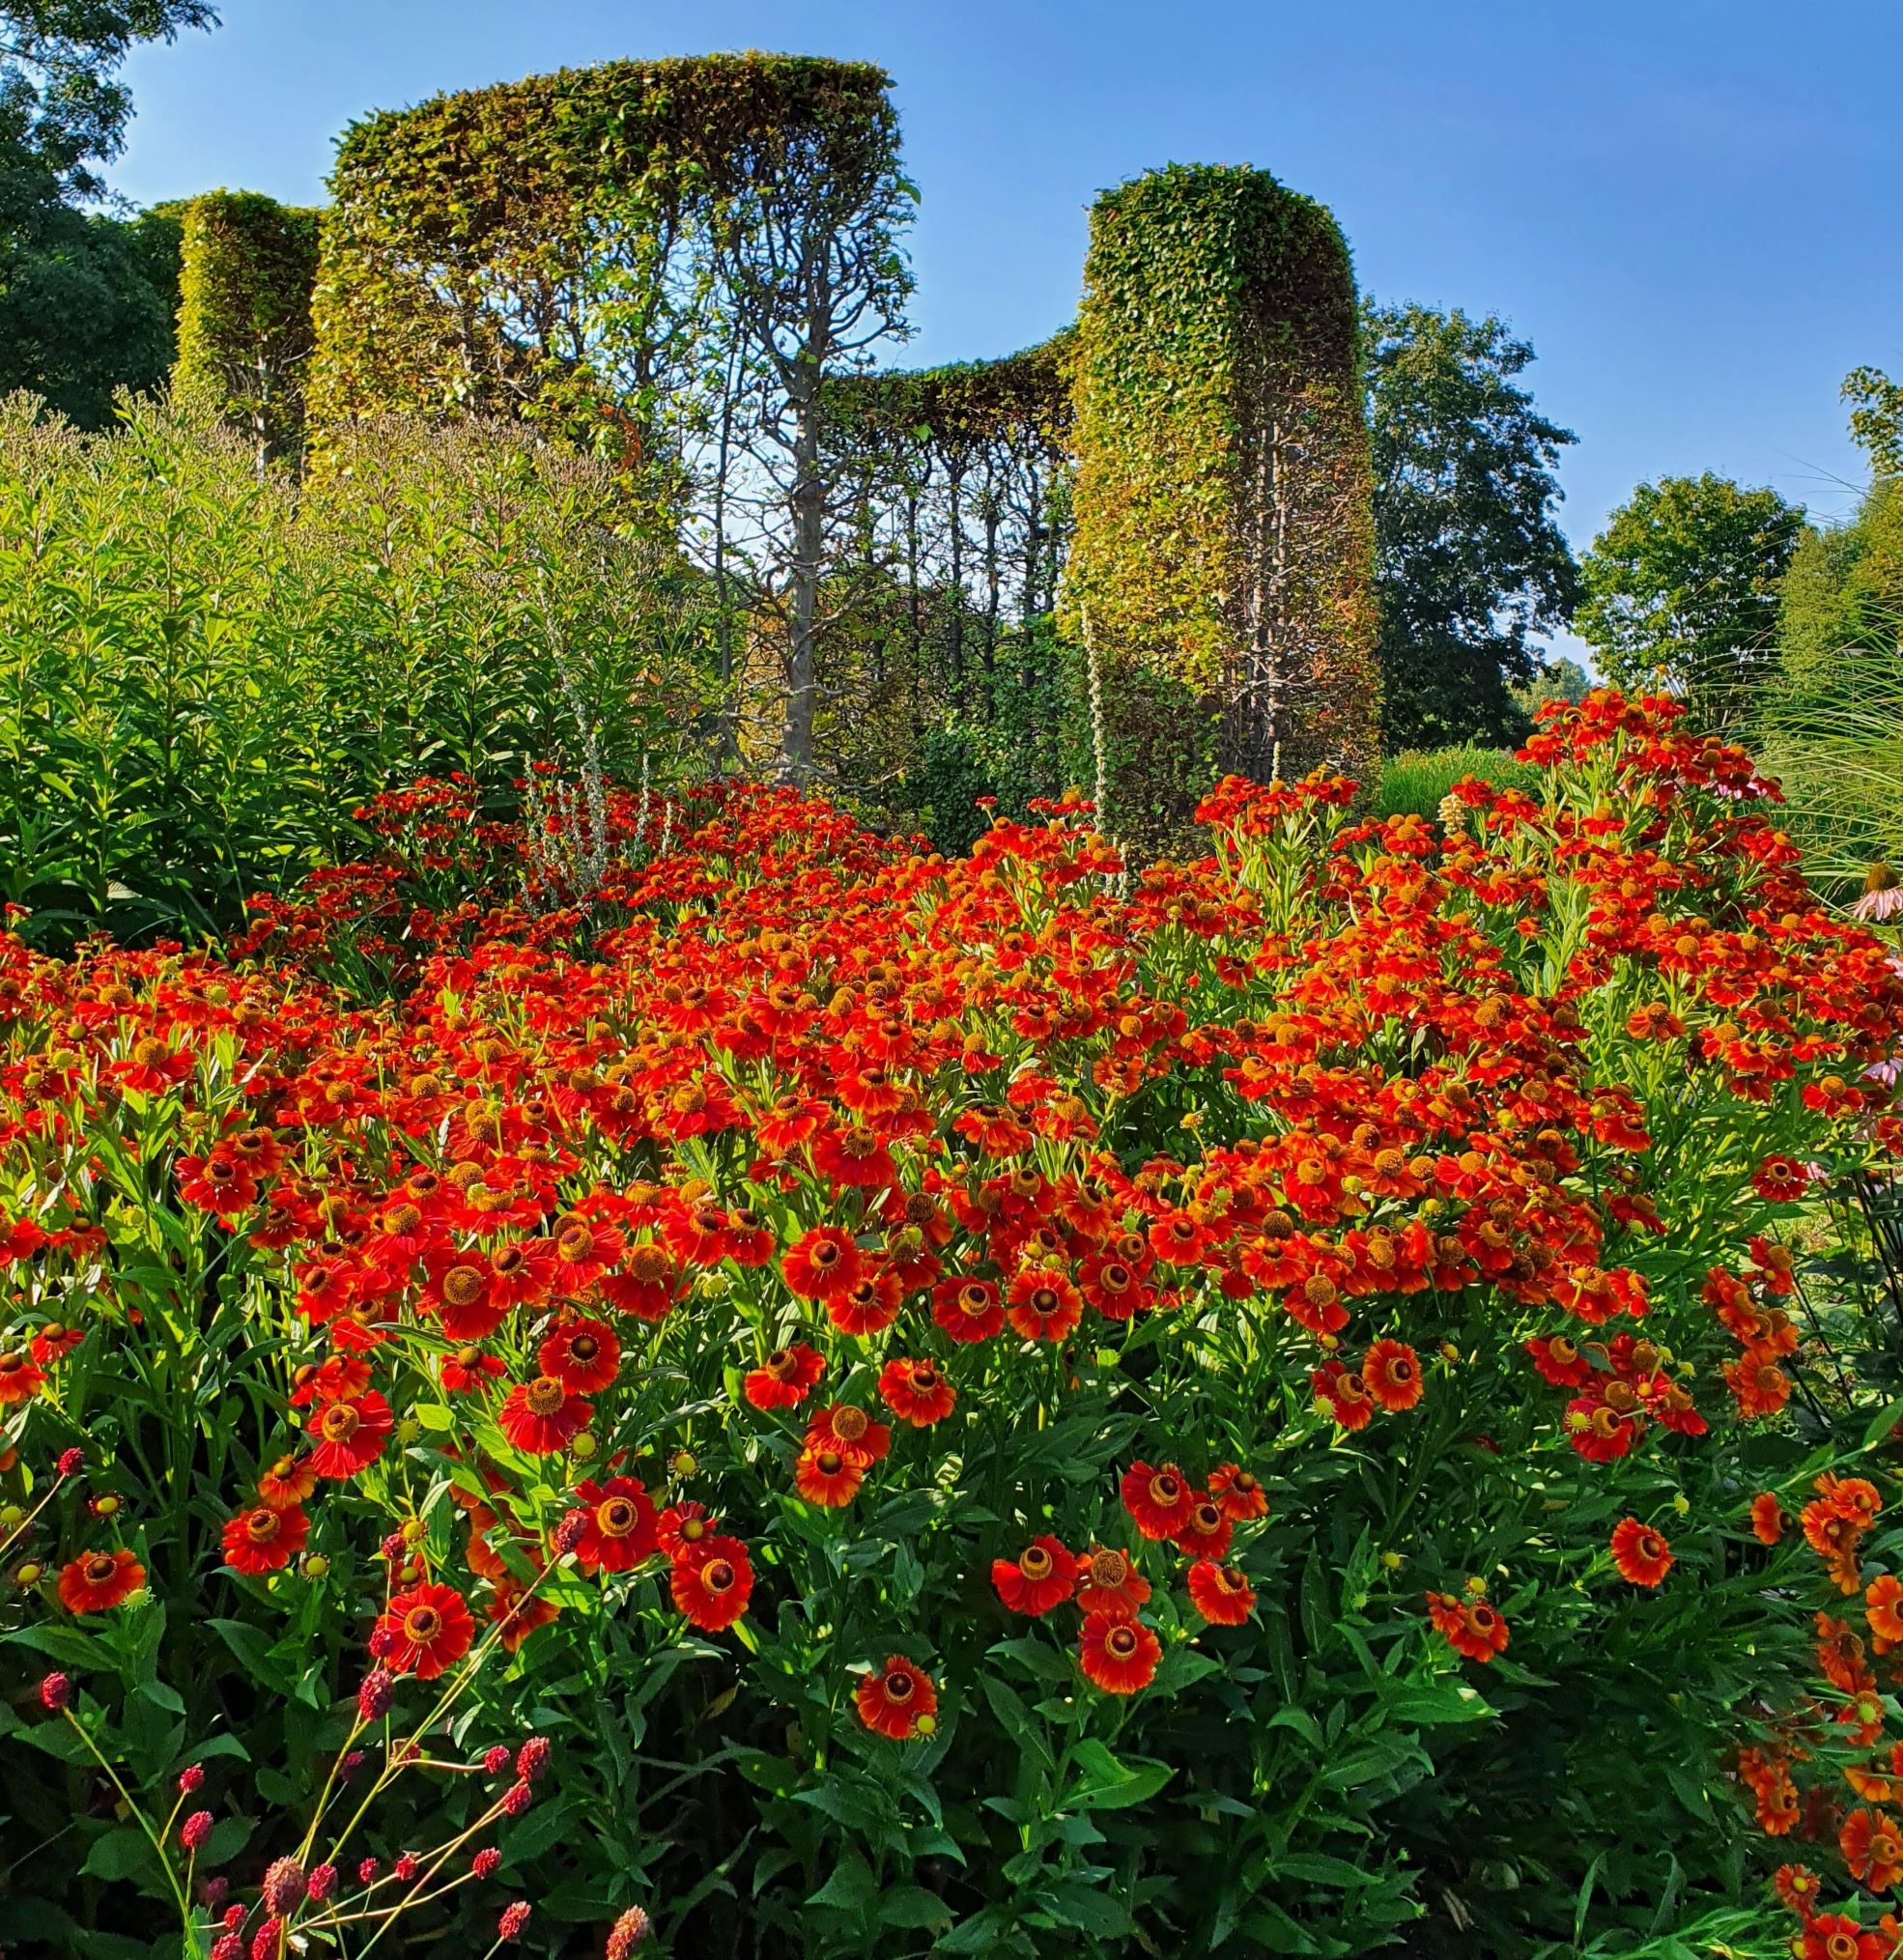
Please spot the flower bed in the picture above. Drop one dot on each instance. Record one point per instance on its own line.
(1000, 1404)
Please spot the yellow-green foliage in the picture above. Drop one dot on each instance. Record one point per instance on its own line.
(502, 250)
(1223, 552)
(248, 264)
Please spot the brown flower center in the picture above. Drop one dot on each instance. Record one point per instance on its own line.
(422, 1623)
(338, 1423)
(462, 1284)
(850, 1424)
(1035, 1562)
(263, 1526)
(616, 1517)
(544, 1396)
(1120, 1641)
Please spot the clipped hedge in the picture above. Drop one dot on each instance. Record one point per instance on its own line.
(247, 267)
(500, 250)
(1223, 553)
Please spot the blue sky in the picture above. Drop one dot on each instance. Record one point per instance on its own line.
(1689, 205)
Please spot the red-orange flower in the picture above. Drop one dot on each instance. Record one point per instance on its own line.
(1159, 1500)
(99, 1581)
(620, 1524)
(265, 1538)
(540, 1416)
(289, 1480)
(1240, 1494)
(1120, 1655)
(1769, 1521)
(1471, 1626)
(869, 1305)
(1044, 1306)
(898, 1700)
(583, 1356)
(1642, 1554)
(1042, 1576)
(1872, 1848)
(845, 1427)
(21, 1378)
(518, 1611)
(1834, 1936)
(916, 1392)
(712, 1585)
(426, 1631)
(827, 1477)
(1206, 1532)
(968, 1310)
(822, 1263)
(1220, 1593)
(1391, 1373)
(1107, 1583)
(786, 1377)
(348, 1435)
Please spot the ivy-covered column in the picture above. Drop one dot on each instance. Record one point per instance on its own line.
(1223, 560)
(247, 267)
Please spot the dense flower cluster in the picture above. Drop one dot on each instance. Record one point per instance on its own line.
(610, 1245)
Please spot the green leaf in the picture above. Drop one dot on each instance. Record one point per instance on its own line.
(851, 1889)
(1087, 1909)
(911, 1905)
(123, 1853)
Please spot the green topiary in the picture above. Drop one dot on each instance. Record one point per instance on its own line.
(248, 265)
(1223, 556)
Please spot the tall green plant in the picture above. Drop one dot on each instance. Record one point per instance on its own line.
(202, 675)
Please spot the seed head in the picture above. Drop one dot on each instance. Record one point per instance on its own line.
(486, 1862)
(195, 1829)
(496, 1760)
(321, 1884)
(628, 1933)
(533, 1758)
(55, 1694)
(191, 1779)
(374, 1697)
(284, 1885)
(516, 1799)
(513, 1919)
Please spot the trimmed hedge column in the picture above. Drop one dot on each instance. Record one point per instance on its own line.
(1223, 556)
(248, 265)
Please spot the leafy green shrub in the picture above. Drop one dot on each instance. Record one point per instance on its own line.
(204, 673)
(1418, 780)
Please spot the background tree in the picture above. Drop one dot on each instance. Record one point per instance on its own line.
(1470, 563)
(1877, 421)
(812, 263)
(86, 298)
(1684, 582)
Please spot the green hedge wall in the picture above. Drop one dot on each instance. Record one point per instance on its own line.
(1223, 550)
(247, 268)
(504, 250)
